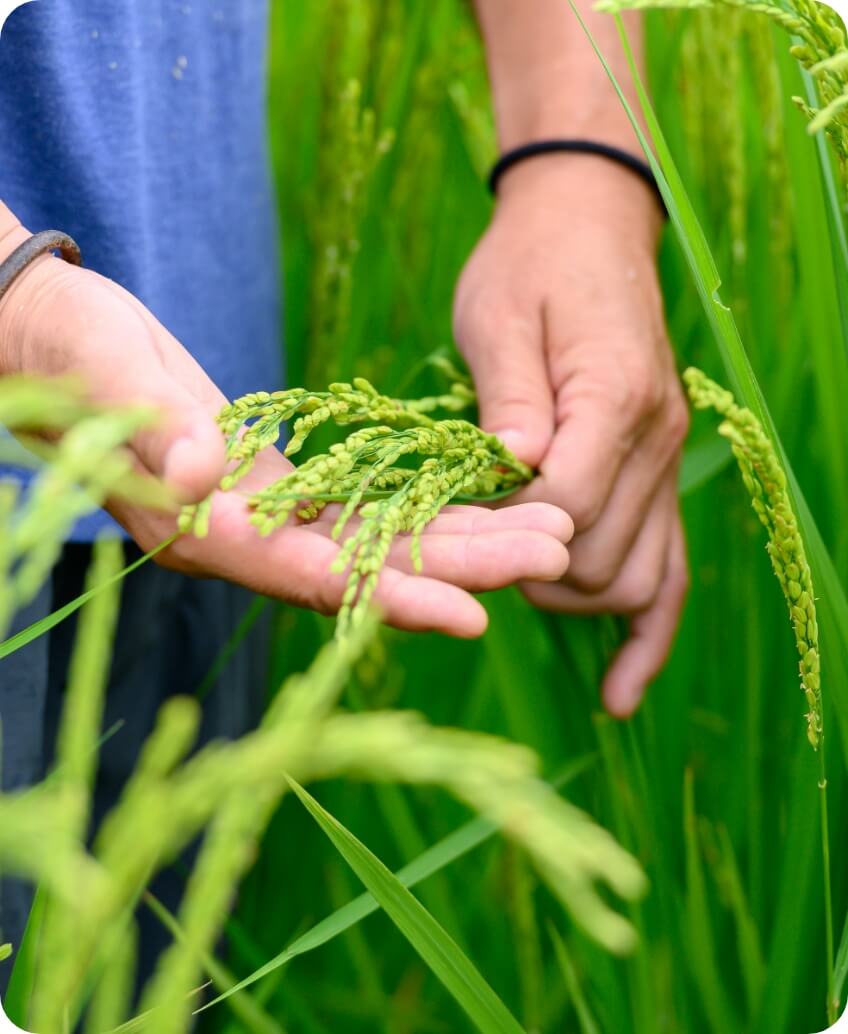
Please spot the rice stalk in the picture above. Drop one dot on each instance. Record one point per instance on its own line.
(111, 1001)
(520, 888)
(354, 149)
(233, 789)
(766, 80)
(720, 81)
(73, 478)
(820, 49)
(765, 480)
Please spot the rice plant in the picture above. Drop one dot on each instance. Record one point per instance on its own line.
(713, 787)
(82, 946)
(373, 472)
(765, 480)
(230, 791)
(714, 784)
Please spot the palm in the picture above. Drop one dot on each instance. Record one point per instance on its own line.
(466, 549)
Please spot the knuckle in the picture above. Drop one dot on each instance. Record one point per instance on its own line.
(488, 314)
(584, 511)
(169, 559)
(635, 390)
(597, 564)
(593, 578)
(627, 388)
(325, 595)
(680, 583)
(510, 405)
(477, 314)
(645, 392)
(179, 556)
(536, 595)
(636, 593)
(677, 420)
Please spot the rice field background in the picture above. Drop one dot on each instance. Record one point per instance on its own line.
(382, 136)
(712, 784)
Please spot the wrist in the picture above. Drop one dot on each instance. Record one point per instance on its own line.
(584, 188)
(12, 233)
(541, 114)
(22, 298)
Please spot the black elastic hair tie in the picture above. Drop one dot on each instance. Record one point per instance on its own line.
(615, 154)
(33, 248)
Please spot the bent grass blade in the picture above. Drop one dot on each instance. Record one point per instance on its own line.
(45, 624)
(436, 858)
(441, 953)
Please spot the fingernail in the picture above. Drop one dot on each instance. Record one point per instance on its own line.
(622, 704)
(178, 459)
(512, 438)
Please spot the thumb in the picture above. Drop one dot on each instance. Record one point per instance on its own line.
(194, 457)
(184, 446)
(507, 362)
(74, 321)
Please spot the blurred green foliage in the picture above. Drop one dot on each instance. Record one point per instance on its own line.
(381, 136)
(713, 784)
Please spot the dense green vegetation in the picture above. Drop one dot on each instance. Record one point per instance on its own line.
(381, 138)
(713, 784)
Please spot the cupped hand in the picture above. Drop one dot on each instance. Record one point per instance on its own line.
(559, 315)
(466, 549)
(58, 319)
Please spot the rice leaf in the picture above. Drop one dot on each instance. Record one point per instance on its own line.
(472, 834)
(249, 1012)
(747, 935)
(22, 980)
(585, 1020)
(45, 624)
(705, 969)
(458, 974)
(703, 459)
(841, 972)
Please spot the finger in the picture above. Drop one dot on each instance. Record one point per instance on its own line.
(505, 352)
(294, 565)
(651, 636)
(417, 604)
(411, 602)
(582, 464)
(185, 447)
(486, 561)
(474, 520)
(599, 554)
(638, 580)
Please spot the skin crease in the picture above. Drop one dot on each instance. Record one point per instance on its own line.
(58, 319)
(559, 316)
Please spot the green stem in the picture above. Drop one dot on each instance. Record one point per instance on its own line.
(832, 1004)
(387, 493)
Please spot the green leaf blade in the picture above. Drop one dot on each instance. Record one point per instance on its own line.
(448, 963)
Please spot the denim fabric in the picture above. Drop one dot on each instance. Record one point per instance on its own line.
(139, 127)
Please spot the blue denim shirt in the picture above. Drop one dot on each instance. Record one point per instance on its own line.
(138, 127)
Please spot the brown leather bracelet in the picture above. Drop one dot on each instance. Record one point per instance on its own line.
(39, 244)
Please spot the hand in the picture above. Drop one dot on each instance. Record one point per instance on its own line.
(559, 316)
(58, 319)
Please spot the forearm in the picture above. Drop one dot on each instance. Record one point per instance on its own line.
(546, 79)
